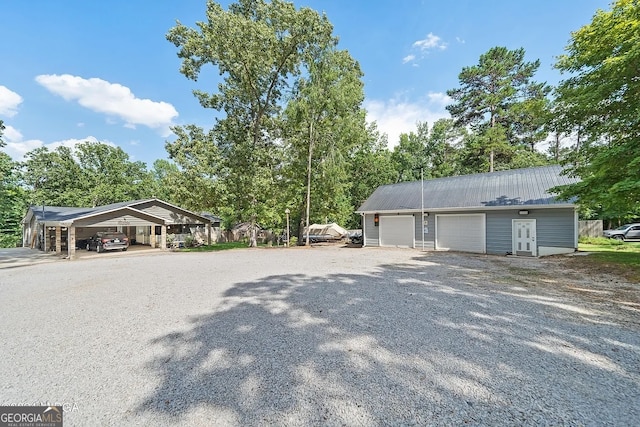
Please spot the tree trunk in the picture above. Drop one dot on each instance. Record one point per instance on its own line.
(253, 241)
(491, 161)
(493, 124)
(309, 180)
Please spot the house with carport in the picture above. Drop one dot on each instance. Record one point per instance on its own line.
(504, 212)
(146, 222)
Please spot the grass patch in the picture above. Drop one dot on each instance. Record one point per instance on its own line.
(614, 256)
(218, 247)
(600, 241)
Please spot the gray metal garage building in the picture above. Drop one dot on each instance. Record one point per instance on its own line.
(501, 212)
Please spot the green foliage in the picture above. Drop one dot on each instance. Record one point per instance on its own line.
(436, 151)
(620, 259)
(443, 154)
(12, 202)
(600, 241)
(193, 181)
(257, 47)
(599, 101)
(370, 167)
(215, 247)
(93, 174)
(323, 123)
(2, 143)
(410, 155)
(501, 103)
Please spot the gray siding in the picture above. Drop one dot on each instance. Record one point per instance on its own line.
(429, 236)
(108, 220)
(558, 227)
(499, 230)
(554, 228)
(372, 233)
(170, 215)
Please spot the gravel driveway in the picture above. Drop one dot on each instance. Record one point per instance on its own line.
(321, 336)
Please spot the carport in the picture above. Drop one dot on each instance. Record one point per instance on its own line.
(58, 228)
(122, 219)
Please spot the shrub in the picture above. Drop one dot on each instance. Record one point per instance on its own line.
(602, 241)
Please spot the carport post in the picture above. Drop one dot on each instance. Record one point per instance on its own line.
(163, 237)
(152, 236)
(58, 240)
(71, 242)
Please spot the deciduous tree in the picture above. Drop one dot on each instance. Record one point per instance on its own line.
(324, 122)
(601, 98)
(12, 201)
(257, 47)
(92, 174)
(194, 181)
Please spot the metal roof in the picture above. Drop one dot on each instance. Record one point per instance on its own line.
(515, 187)
(62, 213)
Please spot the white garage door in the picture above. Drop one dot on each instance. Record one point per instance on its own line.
(397, 230)
(464, 233)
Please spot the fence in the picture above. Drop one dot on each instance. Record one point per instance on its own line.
(591, 228)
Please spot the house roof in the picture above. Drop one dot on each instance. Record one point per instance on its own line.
(63, 213)
(53, 214)
(515, 187)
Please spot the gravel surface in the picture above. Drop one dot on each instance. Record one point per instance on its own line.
(321, 336)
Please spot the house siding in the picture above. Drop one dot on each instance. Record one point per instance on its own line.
(172, 216)
(372, 233)
(429, 236)
(108, 220)
(554, 228)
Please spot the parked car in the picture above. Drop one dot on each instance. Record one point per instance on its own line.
(108, 241)
(356, 238)
(624, 232)
(81, 243)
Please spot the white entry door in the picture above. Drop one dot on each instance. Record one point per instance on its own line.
(524, 237)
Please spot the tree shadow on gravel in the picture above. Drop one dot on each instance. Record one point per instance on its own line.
(426, 343)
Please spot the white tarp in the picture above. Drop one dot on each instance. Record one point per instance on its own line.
(332, 230)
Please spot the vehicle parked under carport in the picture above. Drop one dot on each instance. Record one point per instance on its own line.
(107, 241)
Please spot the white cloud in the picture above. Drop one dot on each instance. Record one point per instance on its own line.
(9, 101)
(431, 42)
(112, 99)
(397, 116)
(17, 147)
(423, 47)
(408, 58)
(72, 142)
(12, 134)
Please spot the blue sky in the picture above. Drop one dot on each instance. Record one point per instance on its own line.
(81, 70)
